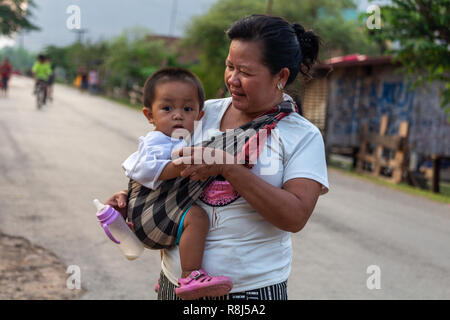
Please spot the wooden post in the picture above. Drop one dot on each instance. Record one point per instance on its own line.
(269, 7)
(397, 143)
(362, 149)
(400, 154)
(379, 148)
(436, 173)
(355, 152)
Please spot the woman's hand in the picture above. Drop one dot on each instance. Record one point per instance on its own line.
(202, 162)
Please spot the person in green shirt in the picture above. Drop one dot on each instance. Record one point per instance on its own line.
(42, 71)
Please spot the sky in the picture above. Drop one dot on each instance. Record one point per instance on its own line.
(104, 19)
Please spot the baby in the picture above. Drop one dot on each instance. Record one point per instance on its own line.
(173, 100)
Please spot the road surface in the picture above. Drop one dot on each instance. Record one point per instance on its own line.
(53, 162)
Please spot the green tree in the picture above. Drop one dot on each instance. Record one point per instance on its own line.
(340, 35)
(132, 58)
(125, 60)
(70, 58)
(206, 34)
(420, 34)
(58, 55)
(88, 55)
(15, 16)
(20, 58)
(326, 17)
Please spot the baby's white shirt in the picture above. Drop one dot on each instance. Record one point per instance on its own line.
(154, 153)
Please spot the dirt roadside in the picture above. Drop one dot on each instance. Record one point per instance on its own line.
(30, 272)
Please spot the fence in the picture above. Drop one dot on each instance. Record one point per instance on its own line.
(384, 155)
(136, 95)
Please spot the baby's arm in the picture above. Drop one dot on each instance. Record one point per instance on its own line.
(152, 164)
(171, 171)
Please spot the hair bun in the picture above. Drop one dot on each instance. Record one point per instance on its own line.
(309, 44)
(304, 37)
(298, 28)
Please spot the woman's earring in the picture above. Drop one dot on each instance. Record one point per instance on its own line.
(279, 86)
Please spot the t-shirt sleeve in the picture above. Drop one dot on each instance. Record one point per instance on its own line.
(146, 165)
(308, 161)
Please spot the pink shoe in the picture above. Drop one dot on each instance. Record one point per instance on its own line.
(157, 286)
(199, 284)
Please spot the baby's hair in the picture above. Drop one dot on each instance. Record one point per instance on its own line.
(171, 74)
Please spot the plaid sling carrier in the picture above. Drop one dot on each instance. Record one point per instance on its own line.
(156, 214)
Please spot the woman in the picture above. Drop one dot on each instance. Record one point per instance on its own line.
(249, 238)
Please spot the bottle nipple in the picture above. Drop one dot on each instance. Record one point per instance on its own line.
(100, 206)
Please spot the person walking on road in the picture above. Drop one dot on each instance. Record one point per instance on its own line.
(93, 81)
(5, 73)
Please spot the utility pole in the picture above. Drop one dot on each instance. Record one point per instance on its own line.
(173, 16)
(80, 33)
(269, 7)
(21, 37)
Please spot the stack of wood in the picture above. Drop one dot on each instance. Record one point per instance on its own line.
(384, 155)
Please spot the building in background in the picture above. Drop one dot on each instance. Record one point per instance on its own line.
(360, 90)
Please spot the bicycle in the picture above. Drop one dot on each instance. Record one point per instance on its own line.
(41, 93)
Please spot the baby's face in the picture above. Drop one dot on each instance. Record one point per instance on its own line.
(176, 106)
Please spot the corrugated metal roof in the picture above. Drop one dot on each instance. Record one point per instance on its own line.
(354, 60)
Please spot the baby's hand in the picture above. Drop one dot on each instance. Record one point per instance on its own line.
(119, 202)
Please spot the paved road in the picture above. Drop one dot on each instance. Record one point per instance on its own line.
(53, 162)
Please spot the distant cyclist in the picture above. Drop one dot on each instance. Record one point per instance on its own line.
(42, 71)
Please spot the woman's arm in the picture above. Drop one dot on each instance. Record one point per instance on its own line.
(287, 208)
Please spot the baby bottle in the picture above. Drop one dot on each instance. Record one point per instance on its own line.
(118, 231)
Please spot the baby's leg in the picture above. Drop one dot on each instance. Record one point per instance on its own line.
(192, 241)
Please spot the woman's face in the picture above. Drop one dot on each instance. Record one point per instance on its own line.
(253, 88)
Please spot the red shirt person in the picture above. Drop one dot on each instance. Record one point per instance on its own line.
(5, 73)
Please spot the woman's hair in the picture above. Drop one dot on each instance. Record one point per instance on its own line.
(171, 74)
(284, 45)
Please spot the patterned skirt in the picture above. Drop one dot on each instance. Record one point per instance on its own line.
(275, 292)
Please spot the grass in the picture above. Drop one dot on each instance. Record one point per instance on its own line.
(346, 168)
(125, 102)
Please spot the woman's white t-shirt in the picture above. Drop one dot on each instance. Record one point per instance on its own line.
(241, 244)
